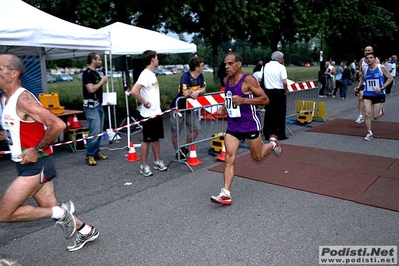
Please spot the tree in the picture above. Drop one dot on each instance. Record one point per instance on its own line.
(221, 23)
(343, 27)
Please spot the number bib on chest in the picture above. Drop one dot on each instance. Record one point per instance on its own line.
(232, 109)
(372, 84)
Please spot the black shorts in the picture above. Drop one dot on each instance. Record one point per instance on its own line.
(44, 166)
(375, 99)
(246, 135)
(153, 129)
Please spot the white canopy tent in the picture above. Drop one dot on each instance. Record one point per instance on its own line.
(26, 30)
(127, 39)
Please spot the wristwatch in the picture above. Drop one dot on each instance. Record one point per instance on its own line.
(39, 151)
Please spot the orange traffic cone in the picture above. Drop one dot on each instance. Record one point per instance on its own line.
(222, 155)
(69, 123)
(132, 155)
(193, 160)
(75, 122)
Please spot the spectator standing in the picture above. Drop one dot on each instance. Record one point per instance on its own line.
(257, 73)
(391, 66)
(373, 77)
(333, 72)
(258, 66)
(338, 79)
(346, 81)
(275, 84)
(192, 84)
(326, 80)
(30, 129)
(221, 74)
(146, 91)
(241, 95)
(92, 106)
(353, 66)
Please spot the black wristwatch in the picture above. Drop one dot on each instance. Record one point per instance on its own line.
(39, 151)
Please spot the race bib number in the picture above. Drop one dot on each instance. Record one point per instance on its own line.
(372, 84)
(232, 109)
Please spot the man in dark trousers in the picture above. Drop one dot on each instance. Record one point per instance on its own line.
(275, 84)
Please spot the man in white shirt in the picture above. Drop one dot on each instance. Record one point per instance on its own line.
(146, 91)
(275, 82)
(392, 70)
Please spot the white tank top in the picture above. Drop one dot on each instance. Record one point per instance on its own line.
(20, 134)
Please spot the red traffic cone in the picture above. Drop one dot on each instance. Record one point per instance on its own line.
(75, 122)
(222, 155)
(193, 160)
(69, 123)
(132, 155)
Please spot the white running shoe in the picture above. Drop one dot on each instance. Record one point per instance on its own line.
(369, 136)
(359, 120)
(145, 170)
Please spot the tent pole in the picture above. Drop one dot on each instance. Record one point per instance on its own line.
(43, 70)
(109, 107)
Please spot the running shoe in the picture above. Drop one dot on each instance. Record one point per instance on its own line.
(359, 120)
(101, 156)
(223, 198)
(145, 170)
(160, 166)
(67, 222)
(369, 136)
(81, 240)
(277, 146)
(91, 161)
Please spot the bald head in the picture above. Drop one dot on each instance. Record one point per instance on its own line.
(368, 49)
(12, 62)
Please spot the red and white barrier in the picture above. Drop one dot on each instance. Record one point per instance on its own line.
(205, 100)
(302, 86)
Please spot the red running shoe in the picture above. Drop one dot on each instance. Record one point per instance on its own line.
(223, 198)
(277, 147)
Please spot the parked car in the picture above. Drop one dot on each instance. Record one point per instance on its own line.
(174, 70)
(50, 79)
(208, 69)
(162, 71)
(80, 76)
(63, 77)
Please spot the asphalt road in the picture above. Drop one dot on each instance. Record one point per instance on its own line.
(168, 219)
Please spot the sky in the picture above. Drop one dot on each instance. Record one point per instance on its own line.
(188, 37)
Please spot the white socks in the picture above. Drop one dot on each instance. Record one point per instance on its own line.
(58, 212)
(85, 230)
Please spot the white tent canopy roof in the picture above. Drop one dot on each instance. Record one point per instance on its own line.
(26, 30)
(128, 39)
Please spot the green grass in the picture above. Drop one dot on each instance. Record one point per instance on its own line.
(70, 93)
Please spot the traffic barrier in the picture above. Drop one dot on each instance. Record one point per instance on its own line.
(303, 92)
(204, 108)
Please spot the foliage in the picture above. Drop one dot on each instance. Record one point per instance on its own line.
(344, 27)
